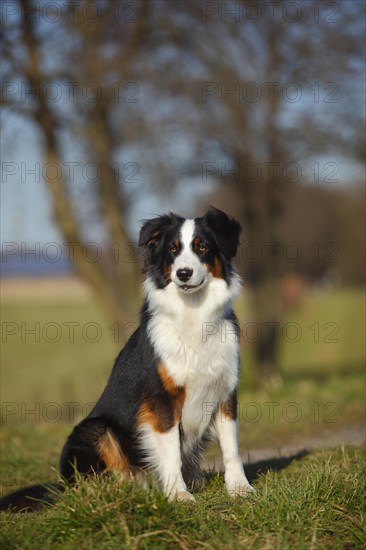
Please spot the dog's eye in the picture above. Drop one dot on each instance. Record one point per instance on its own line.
(202, 248)
(173, 249)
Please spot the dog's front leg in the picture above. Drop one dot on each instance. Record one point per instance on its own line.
(164, 455)
(226, 428)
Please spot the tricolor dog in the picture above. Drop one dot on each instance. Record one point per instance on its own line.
(173, 386)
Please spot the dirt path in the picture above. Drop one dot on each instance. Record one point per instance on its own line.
(44, 289)
(269, 456)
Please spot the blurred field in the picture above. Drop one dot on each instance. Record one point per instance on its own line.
(25, 289)
(58, 350)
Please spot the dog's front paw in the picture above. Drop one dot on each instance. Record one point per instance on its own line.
(185, 495)
(239, 489)
(182, 495)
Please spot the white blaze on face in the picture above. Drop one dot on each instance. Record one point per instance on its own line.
(187, 259)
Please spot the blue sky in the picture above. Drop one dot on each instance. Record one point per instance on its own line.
(26, 213)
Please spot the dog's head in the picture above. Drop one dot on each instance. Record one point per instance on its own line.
(189, 252)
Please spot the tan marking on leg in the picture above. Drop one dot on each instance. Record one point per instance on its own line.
(111, 453)
(178, 393)
(158, 417)
(162, 413)
(167, 381)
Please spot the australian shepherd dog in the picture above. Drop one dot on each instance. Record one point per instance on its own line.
(174, 385)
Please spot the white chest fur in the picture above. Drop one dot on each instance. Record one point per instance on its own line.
(197, 346)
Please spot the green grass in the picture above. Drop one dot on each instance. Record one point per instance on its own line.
(332, 330)
(59, 361)
(313, 502)
(321, 337)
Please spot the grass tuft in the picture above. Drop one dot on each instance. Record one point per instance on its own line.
(316, 502)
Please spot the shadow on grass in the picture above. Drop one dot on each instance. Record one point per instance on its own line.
(254, 470)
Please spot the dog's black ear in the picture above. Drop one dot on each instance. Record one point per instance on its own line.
(152, 232)
(225, 229)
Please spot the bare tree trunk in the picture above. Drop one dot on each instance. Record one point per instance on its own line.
(112, 298)
(266, 294)
(125, 274)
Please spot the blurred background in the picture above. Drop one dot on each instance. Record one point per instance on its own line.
(117, 111)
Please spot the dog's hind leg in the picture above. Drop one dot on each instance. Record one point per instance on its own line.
(91, 448)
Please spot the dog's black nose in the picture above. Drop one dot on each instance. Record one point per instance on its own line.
(184, 274)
